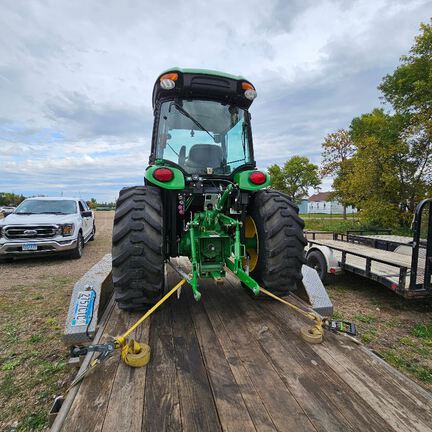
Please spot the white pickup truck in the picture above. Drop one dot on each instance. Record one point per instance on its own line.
(47, 225)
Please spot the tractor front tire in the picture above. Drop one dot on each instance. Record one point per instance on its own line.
(137, 248)
(280, 241)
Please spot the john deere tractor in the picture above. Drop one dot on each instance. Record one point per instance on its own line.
(203, 197)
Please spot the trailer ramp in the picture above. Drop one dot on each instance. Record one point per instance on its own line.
(233, 363)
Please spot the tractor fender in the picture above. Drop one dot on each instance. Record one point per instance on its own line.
(331, 261)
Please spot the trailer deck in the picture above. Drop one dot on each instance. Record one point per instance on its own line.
(233, 363)
(380, 265)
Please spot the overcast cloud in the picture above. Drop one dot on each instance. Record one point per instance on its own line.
(76, 78)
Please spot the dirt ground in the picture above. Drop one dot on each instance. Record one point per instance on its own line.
(398, 330)
(34, 298)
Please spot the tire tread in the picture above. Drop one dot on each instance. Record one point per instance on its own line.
(281, 240)
(137, 248)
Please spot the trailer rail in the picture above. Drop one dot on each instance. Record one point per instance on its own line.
(402, 264)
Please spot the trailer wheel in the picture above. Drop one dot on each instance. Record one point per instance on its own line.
(275, 241)
(315, 259)
(138, 259)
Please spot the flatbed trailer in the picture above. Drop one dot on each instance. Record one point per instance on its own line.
(403, 264)
(232, 363)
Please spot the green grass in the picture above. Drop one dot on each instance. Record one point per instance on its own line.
(403, 362)
(8, 387)
(10, 334)
(34, 421)
(407, 341)
(423, 331)
(326, 215)
(337, 315)
(392, 323)
(368, 336)
(48, 368)
(335, 223)
(368, 319)
(35, 338)
(32, 362)
(11, 364)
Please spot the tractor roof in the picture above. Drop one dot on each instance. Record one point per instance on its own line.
(203, 72)
(202, 84)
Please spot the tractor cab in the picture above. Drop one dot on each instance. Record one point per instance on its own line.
(202, 125)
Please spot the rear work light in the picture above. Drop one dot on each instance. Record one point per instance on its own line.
(167, 81)
(258, 178)
(163, 174)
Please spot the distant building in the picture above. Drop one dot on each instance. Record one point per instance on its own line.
(303, 206)
(321, 203)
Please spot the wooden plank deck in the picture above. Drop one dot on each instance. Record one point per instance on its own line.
(233, 363)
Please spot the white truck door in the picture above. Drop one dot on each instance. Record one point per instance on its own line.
(86, 220)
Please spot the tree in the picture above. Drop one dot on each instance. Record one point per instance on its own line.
(390, 169)
(409, 90)
(10, 199)
(295, 178)
(92, 203)
(382, 181)
(338, 148)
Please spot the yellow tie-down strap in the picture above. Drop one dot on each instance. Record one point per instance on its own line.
(134, 353)
(312, 334)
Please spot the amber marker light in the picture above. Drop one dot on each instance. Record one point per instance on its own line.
(167, 81)
(250, 92)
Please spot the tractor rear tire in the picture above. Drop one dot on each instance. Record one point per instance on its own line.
(137, 248)
(281, 241)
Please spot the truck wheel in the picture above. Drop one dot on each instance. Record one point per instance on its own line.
(315, 259)
(137, 248)
(78, 251)
(275, 241)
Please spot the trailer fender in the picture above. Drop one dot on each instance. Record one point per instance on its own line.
(327, 253)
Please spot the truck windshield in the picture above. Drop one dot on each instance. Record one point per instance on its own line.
(203, 137)
(30, 206)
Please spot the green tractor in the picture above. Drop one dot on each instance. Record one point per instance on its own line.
(203, 197)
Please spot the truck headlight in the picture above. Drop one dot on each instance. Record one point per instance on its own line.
(67, 229)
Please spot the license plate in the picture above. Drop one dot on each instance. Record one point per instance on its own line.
(83, 311)
(29, 247)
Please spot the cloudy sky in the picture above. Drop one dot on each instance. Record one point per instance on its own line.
(76, 78)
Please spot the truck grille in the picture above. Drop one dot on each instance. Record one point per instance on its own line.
(30, 232)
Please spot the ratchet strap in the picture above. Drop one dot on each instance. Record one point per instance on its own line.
(133, 353)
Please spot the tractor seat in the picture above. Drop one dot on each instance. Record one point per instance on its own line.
(204, 156)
